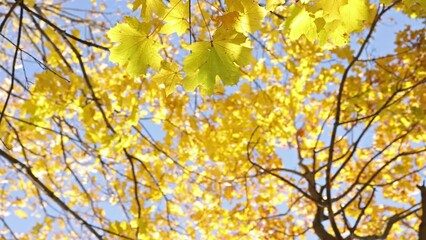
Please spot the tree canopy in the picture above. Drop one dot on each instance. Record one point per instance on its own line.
(202, 119)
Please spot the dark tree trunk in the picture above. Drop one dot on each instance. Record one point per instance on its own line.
(422, 227)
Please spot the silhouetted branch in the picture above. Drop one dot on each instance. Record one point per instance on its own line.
(336, 124)
(15, 57)
(390, 222)
(40, 185)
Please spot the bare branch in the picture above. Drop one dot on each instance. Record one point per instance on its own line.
(18, 42)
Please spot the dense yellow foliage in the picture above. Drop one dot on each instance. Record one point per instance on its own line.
(221, 120)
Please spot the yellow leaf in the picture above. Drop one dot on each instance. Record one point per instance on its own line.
(149, 7)
(30, 3)
(252, 18)
(234, 5)
(353, 13)
(272, 4)
(136, 48)
(8, 139)
(334, 31)
(176, 19)
(301, 23)
(251, 15)
(168, 77)
(229, 19)
(331, 8)
(386, 2)
(21, 213)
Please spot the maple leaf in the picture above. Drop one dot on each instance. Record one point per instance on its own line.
(176, 19)
(272, 4)
(334, 31)
(353, 13)
(228, 20)
(332, 20)
(136, 48)
(250, 17)
(169, 76)
(223, 56)
(149, 7)
(300, 23)
(331, 8)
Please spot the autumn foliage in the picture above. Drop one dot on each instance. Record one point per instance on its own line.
(201, 119)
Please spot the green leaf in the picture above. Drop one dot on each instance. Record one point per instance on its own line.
(223, 57)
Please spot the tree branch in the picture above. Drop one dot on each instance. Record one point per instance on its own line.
(40, 185)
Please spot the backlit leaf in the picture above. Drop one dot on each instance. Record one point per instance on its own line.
(149, 7)
(301, 23)
(222, 57)
(136, 49)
